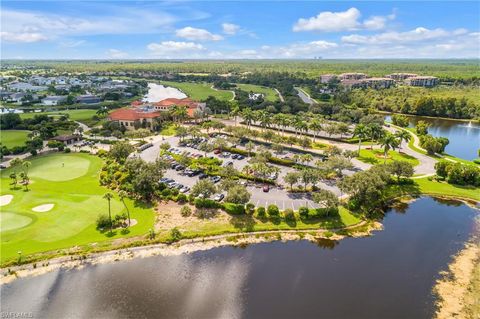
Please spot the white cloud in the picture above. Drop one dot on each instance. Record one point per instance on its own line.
(72, 44)
(348, 20)
(26, 37)
(297, 50)
(195, 34)
(31, 26)
(418, 34)
(116, 54)
(230, 28)
(172, 49)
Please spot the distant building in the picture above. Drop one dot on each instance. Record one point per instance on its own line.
(54, 100)
(425, 81)
(192, 106)
(88, 99)
(325, 78)
(352, 76)
(374, 83)
(401, 76)
(255, 96)
(67, 139)
(22, 86)
(132, 118)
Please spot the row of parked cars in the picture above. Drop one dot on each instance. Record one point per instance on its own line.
(171, 183)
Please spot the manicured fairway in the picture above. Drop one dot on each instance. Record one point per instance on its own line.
(199, 91)
(269, 93)
(11, 138)
(75, 115)
(375, 156)
(77, 197)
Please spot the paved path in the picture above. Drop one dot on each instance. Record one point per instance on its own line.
(280, 96)
(305, 96)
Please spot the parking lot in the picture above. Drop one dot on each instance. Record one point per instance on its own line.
(276, 195)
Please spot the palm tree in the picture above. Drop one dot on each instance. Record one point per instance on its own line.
(388, 142)
(103, 111)
(123, 194)
(403, 135)
(250, 146)
(265, 119)
(316, 126)
(248, 116)
(235, 111)
(108, 197)
(361, 132)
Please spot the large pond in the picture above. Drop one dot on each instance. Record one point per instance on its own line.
(464, 136)
(158, 92)
(388, 275)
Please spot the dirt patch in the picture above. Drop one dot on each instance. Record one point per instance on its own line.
(5, 199)
(169, 216)
(458, 290)
(43, 208)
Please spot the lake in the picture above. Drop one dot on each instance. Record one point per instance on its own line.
(388, 275)
(464, 136)
(158, 92)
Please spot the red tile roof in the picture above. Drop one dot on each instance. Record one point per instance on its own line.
(131, 115)
(136, 103)
(180, 102)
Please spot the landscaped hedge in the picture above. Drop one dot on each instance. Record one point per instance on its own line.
(234, 209)
(206, 203)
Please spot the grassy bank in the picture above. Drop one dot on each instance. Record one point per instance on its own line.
(199, 91)
(12, 138)
(270, 94)
(376, 156)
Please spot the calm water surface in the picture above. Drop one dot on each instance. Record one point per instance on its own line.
(464, 136)
(388, 275)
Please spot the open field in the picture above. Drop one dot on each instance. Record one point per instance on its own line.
(70, 183)
(11, 138)
(376, 156)
(199, 91)
(269, 93)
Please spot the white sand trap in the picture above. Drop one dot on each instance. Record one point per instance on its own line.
(133, 222)
(43, 208)
(5, 199)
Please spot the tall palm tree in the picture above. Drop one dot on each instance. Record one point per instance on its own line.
(235, 111)
(316, 126)
(361, 132)
(388, 142)
(265, 119)
(403, 135)
(123, 194)
(108, 196)
(248, 116)
(250, 146)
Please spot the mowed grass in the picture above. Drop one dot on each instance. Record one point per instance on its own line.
(376, 156)
(12, 138)
(199, 91)
(270, 94)
(74, 115)
(70, 182)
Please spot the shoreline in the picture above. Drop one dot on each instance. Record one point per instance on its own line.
(184, 246)
(428, 117)
(457, 291)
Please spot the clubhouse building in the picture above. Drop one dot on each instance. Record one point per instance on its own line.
(141, 114)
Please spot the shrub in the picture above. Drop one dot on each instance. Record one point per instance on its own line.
(175, 235)
(103, 221)
(273, 210)
(303, 211)
(289, 214)
(102, 153)
(182, 198)
(261, 211)
(186, 211)
(234, 209)
(206, 203)
(67, 150)
(166, 192)
(250, 209)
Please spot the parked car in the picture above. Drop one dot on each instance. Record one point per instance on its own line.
(179, 168)
(226, 154)
(235, 156)
(229, 163)
(184, 189)
(218, 197)
(240, 157)
(202, 176)
(266, 189)
(215, 179)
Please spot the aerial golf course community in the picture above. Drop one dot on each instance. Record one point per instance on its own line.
(184, 163)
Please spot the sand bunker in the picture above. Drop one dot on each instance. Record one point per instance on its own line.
(43, 208)
(5, 199)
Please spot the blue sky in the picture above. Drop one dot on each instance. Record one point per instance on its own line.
(231, 29)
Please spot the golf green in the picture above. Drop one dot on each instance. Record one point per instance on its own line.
(78, 200)
(60, 168)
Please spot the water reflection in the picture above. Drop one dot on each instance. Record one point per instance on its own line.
(158, 92)
(387, 275)
(464, 136)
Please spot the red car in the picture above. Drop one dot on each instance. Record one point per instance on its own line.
(266, 188)
(217, 151)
